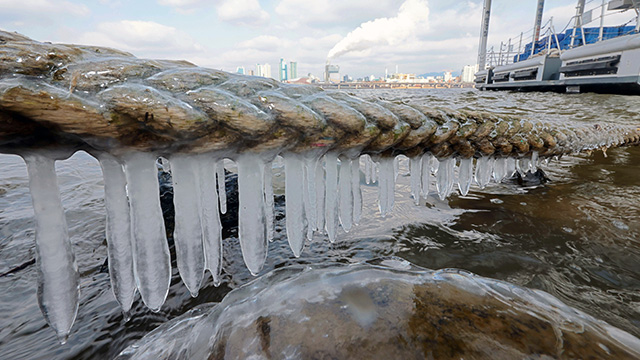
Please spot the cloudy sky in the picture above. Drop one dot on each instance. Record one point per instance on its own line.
(418, 36)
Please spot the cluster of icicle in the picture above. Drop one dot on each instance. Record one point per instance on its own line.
(321, 193)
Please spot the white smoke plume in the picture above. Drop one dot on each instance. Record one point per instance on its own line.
(412, 18)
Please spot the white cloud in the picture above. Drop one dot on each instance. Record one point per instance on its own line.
(243, 12)
(34, 10)
(297, 13)
(413, 16)
(143, 38)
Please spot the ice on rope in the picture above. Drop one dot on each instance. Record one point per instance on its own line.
(209, 215)
(252, 229)
(346, 197)
(322, 193)
(151, 261)
(294, 194)
(187, 234)
(58, 289)
(118, 231)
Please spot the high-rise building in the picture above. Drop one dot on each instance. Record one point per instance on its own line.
(293, 70)
(468, 73)
(263, 70)
(240, 70)
(283, 76)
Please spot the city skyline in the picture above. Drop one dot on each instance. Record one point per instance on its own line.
(418, 35)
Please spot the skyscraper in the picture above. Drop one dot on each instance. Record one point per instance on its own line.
(283, 70)
(263, 70)
(468, 73)
(240, 70)
(293, 70)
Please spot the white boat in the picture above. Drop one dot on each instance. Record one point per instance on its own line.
(603, 59)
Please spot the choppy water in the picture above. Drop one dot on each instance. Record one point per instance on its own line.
(577, 237)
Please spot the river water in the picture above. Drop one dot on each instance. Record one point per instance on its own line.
(576, 237)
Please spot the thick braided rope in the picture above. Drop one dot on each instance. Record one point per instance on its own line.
(85, 97)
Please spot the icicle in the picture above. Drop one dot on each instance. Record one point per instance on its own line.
(356, 191)
(523, 165)
(534, 161)
(367, 168)
(484, 168)
(500, 169)
(465, 175)
(251, 217)
(386, 185)
(269, 207)
(296, 222)
(187, 235)
(374, 172)
(346, 197)
(320, 196)
(151, 260)
(118, 231)
(222, 190)
(396, 169)
(310, 195)
(444, 178)
(511, 167)
(426, 174)
(331, 202)
(415, 168)
(58, 289)
(210, 216)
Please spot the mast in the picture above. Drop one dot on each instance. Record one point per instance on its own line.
(484, 33)
(536, 25)
(578, 22)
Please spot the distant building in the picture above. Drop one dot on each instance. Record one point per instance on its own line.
(468, 73)
(293, 70)
(263, 70)
(240, 70)
(447, 76)
(347, 78)
(251, 73)
(330, 70)
(283, 75)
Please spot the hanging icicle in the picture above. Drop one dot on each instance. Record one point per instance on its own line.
(187, 235)
(331, 201)
(296, 222)
(426, 174)
(222, 191)
(151, 261)
(269, 206)
(310, 194)
(465, 177)
(445, 177)
(386, 185)
(345, 212)
(252, 229)
(58, 288)
(484, 169)
(118, 231)
(356, 191)
(415, 170)
(210, 216)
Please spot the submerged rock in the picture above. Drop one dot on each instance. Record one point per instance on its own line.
(377, 311)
